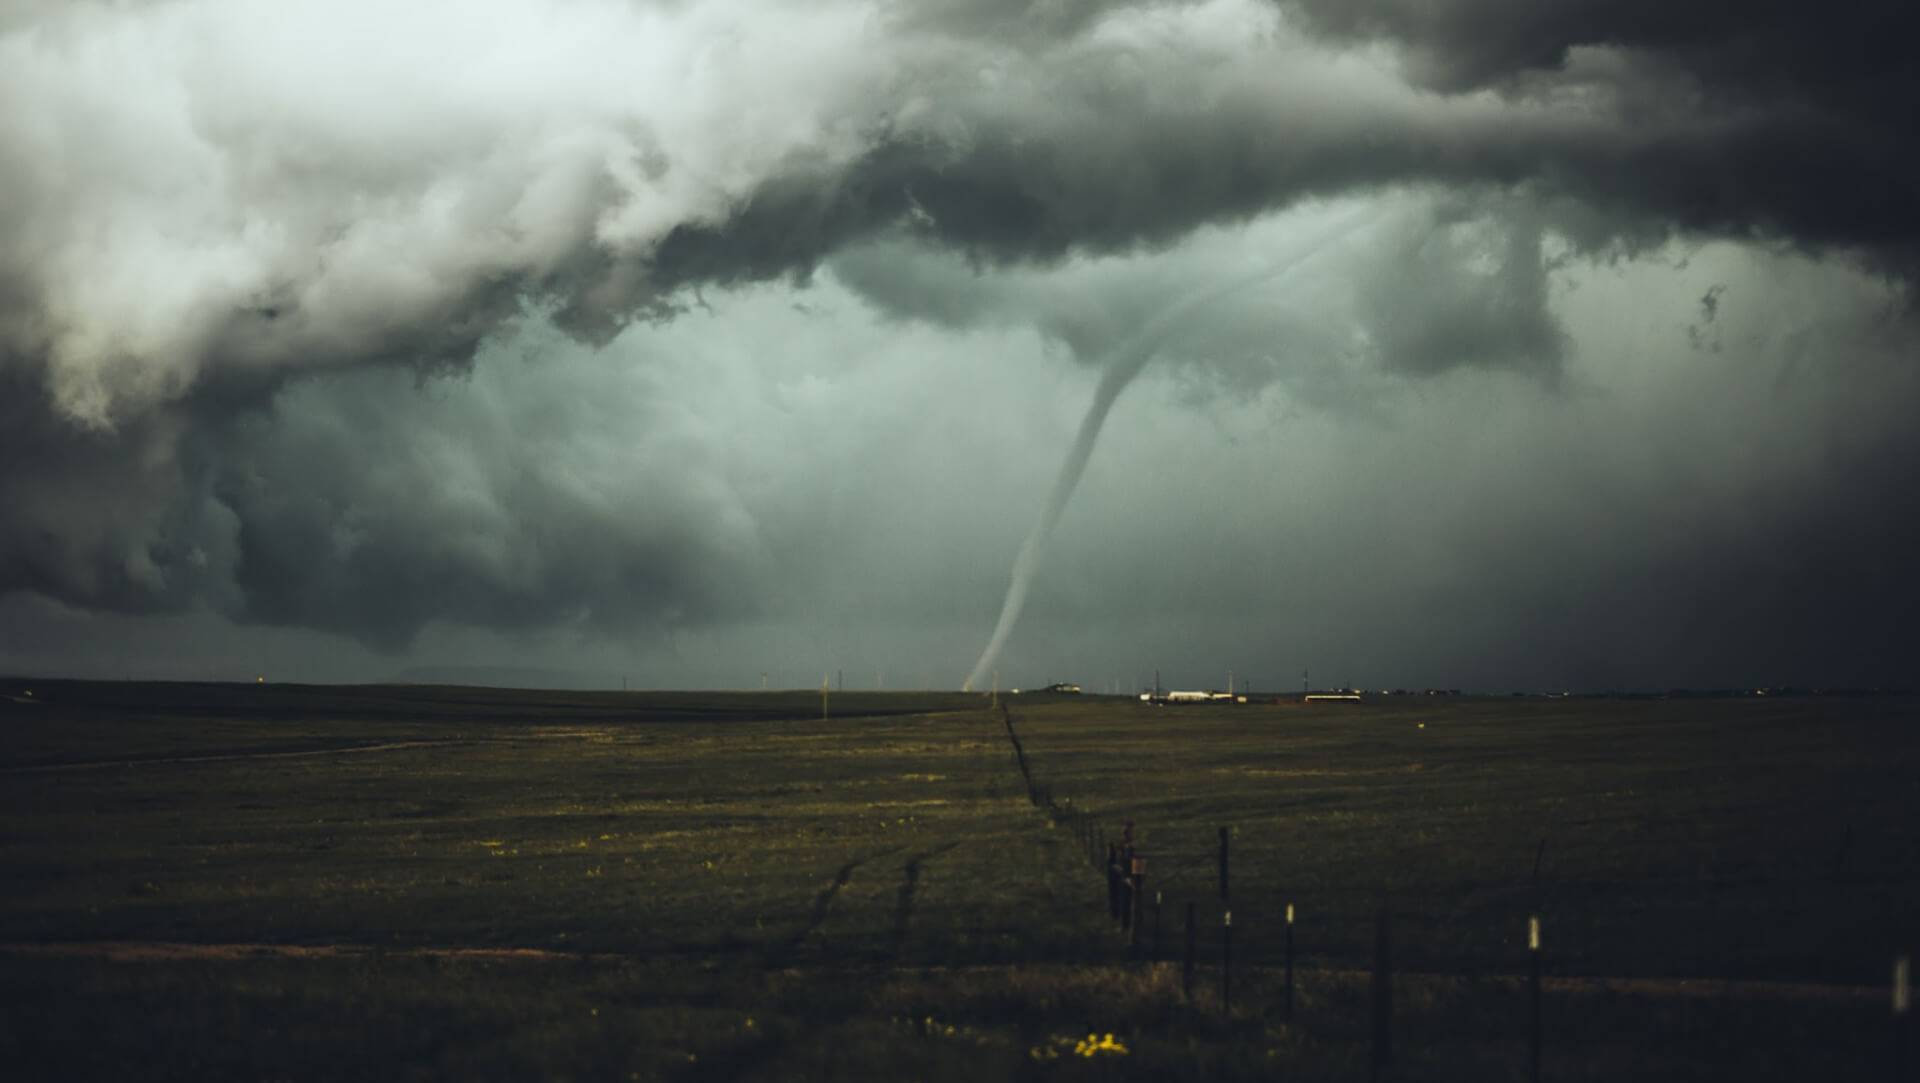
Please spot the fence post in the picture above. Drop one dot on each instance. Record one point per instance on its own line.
(1186, 973)
(1533, 993)
(1286, 1003)
(1226, 963)
(1382, 992)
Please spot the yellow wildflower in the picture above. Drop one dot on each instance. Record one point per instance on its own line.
(1095, 1044)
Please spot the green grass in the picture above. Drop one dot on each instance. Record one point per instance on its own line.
(857, 886)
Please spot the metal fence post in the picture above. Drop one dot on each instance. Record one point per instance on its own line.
(1286, 1003)
(1533, 993)
(1226, 962)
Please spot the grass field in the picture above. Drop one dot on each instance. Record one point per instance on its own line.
(319, 883)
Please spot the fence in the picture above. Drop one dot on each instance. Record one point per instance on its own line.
(1201, 887)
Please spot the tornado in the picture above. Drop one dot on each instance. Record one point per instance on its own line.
(1118, 369)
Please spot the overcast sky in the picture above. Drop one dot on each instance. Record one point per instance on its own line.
(1489, 344)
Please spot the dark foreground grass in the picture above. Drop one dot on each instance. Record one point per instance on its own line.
(400, 1017)
(728, 887)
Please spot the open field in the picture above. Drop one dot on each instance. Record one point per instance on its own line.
(285, 882)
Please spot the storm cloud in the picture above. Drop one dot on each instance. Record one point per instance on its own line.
(358, 319)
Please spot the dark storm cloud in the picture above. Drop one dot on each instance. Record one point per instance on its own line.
(1782, 119)
(90, 516)
(371, 502)
(1845, 51)
(1056, 175)
(227, 229)
(363, 512)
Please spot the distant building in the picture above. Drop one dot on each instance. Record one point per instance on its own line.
(1063, 686)
(1175, 696)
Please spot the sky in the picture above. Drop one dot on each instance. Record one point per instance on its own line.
(1479, 344)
